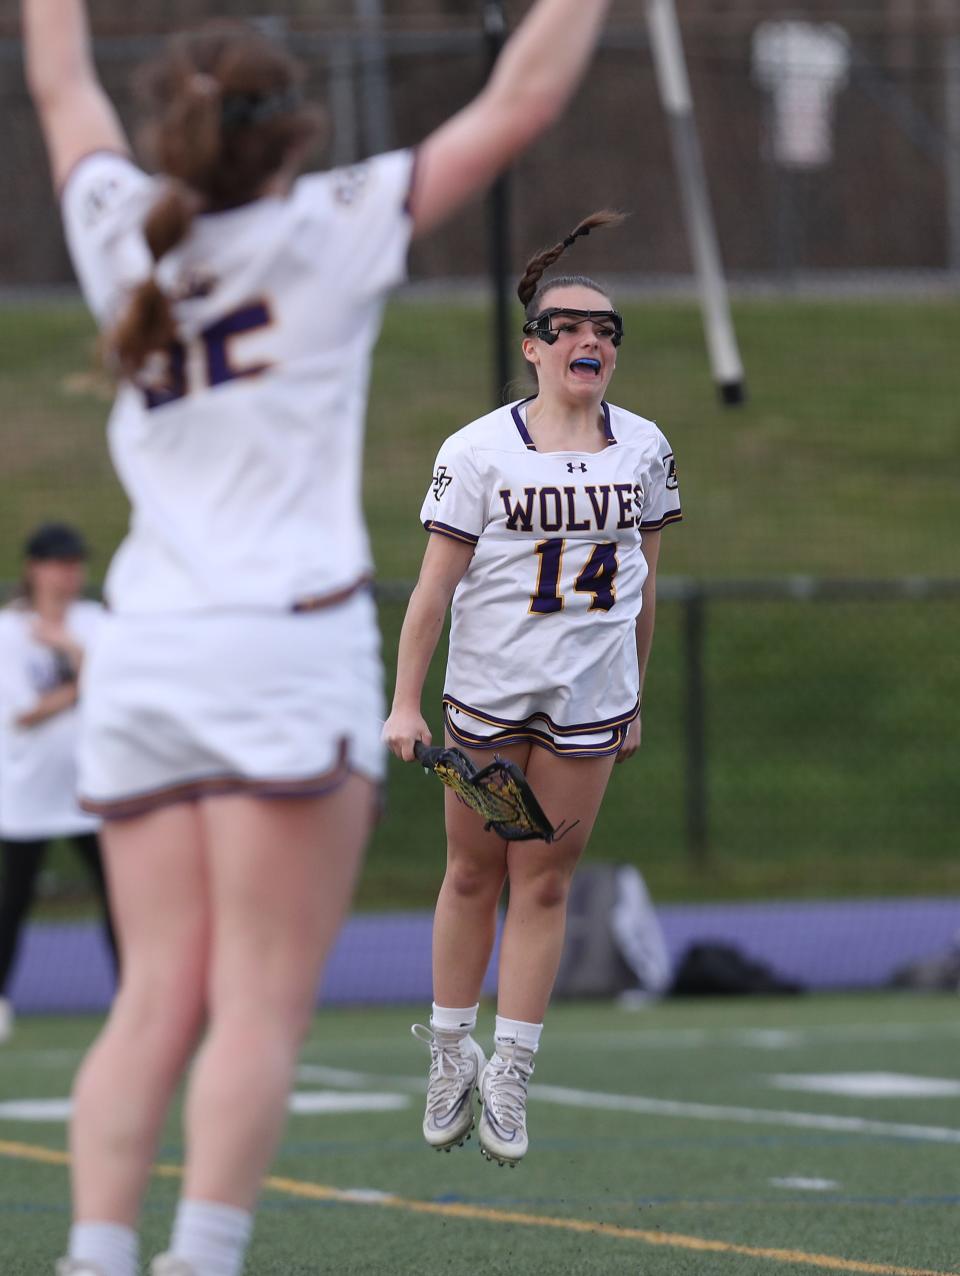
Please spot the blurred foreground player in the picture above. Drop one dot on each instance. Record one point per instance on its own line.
(544, 519)
(231, 735)
(44, 635)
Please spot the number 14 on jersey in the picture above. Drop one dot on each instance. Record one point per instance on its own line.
(596, 577)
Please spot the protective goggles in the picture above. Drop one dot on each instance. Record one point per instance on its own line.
(540, 326)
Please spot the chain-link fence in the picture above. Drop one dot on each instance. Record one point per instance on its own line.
(831, 132)
(799, 740)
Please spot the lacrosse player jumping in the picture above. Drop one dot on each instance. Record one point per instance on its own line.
(545, 520)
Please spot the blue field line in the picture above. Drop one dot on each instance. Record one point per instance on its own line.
(302, 1150)
(807, 1200)
(360, 1147)
(811, 1200)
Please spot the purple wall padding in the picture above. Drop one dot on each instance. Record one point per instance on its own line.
(822, 944)
(385, 957)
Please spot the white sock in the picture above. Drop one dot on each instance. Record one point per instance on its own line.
(453, 1018)
(110, 1247)
(212, 1237)
(514, 1032)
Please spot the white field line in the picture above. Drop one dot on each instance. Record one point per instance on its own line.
(867, 1085)
(301, 1103)
(801, 1183)
(770, 1037)
(565, 1096)
(749, 1116)
(12, 1058)
(326, 1102)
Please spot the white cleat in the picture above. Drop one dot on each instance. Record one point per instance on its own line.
(456, 1062)
(167, 1265)
(72, 1267)
(503, 1095)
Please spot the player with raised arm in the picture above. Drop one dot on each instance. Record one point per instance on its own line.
(230, 733)
(544, 520)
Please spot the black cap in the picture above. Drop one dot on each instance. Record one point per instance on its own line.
(57, 542)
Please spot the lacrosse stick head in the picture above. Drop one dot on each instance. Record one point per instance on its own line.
(499, 793)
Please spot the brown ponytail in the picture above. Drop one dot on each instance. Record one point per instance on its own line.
(224, 115)
(147, 326)
(529, 289)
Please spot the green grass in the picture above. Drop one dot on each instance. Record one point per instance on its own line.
(843, 462)
(684, 1177)
(832, 749)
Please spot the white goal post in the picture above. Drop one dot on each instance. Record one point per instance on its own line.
(674, 85)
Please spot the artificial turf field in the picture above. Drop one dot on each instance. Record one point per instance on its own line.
(660, 1143)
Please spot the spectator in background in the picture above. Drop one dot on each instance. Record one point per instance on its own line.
(43, 635)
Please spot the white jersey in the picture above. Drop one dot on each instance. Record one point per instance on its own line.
(38, 773)
(244, 474)
(543, 621)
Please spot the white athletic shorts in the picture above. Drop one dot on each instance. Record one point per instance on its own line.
(479, 733)
(176, 707)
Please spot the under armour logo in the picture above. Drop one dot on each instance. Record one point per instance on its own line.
(576, 465)
(441, 481)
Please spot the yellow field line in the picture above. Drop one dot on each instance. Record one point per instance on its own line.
(30, 1152)
(669, 1240)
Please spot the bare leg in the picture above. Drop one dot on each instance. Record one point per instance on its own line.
(465, 920)
(282, 874)
(87, 846)
(532, 941)
(159, 894)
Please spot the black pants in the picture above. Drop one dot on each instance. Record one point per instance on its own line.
(20, 865)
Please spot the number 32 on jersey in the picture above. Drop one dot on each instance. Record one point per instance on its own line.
(214, 344)
(596, 577)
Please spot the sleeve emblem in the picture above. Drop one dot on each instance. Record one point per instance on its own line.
(672, 481)
(99, 199)
(351, 184)
(441, 481)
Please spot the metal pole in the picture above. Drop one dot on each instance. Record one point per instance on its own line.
(374, 80)
(952, 113)
(674, 84)
(498, 217)
(343, 110)
(694, 609)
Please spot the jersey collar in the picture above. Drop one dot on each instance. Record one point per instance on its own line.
(525, 433)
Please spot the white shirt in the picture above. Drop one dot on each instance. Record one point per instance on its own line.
(38, 763)
(543, 620)
(245, 481)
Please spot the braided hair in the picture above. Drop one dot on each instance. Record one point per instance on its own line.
(224, 115)
(531, 290)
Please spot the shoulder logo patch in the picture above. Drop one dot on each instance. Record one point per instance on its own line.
(99, 199)
(672, 481)
(350, 184)
(441, 481)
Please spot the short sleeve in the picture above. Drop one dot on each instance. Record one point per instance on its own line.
(661, 491)
(371, 225)
(455, 504)
(105, 200)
